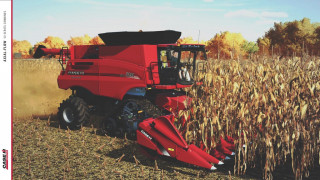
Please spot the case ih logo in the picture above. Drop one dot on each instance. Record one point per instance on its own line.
(147, 135)
(5, 159)
(75, 72)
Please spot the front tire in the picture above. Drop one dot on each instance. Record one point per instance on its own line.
(109, 127)
(73, 112)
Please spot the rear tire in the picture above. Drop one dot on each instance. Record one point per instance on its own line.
(73, 112)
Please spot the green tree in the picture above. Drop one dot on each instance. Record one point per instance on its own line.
(250, 48)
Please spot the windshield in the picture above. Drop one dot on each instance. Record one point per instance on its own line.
(187, 59)
(188, 56)
(170, 58)
(180, 62)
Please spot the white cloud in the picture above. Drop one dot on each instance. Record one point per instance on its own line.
(208, 0)
(268, 14)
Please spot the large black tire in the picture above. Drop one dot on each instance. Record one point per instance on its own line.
(117, 123)
(73, 112)
(109, 127)
(141, 104)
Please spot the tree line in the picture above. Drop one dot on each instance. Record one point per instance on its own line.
(27, 50)
(294, 38)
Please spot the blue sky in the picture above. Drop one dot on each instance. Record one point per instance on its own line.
(33, 20)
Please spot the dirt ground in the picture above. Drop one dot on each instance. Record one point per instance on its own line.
(42, 150)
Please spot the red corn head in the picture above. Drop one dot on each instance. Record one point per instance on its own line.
(218, 154)
(224, 150)
(227, 144)
(160, 135)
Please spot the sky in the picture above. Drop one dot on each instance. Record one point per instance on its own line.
(34, 20)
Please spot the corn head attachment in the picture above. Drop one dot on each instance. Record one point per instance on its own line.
(160, 135)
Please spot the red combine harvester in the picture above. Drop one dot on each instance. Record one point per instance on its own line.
(131, 80)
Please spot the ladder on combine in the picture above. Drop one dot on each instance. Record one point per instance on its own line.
(64, 56)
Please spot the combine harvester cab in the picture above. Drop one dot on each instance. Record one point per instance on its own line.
(122, 79)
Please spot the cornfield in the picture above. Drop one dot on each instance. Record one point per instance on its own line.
(271, 108)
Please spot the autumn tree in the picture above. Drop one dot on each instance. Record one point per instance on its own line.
(264, 46)
(22, 47)
(226, 45)
(52, 43)
(80, 40)
(317, 40)
(96, 41)
(49, 42)
(291, 37)
(189, 40)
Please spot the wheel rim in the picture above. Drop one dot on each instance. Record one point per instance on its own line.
(129, 108)
(68, 115)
